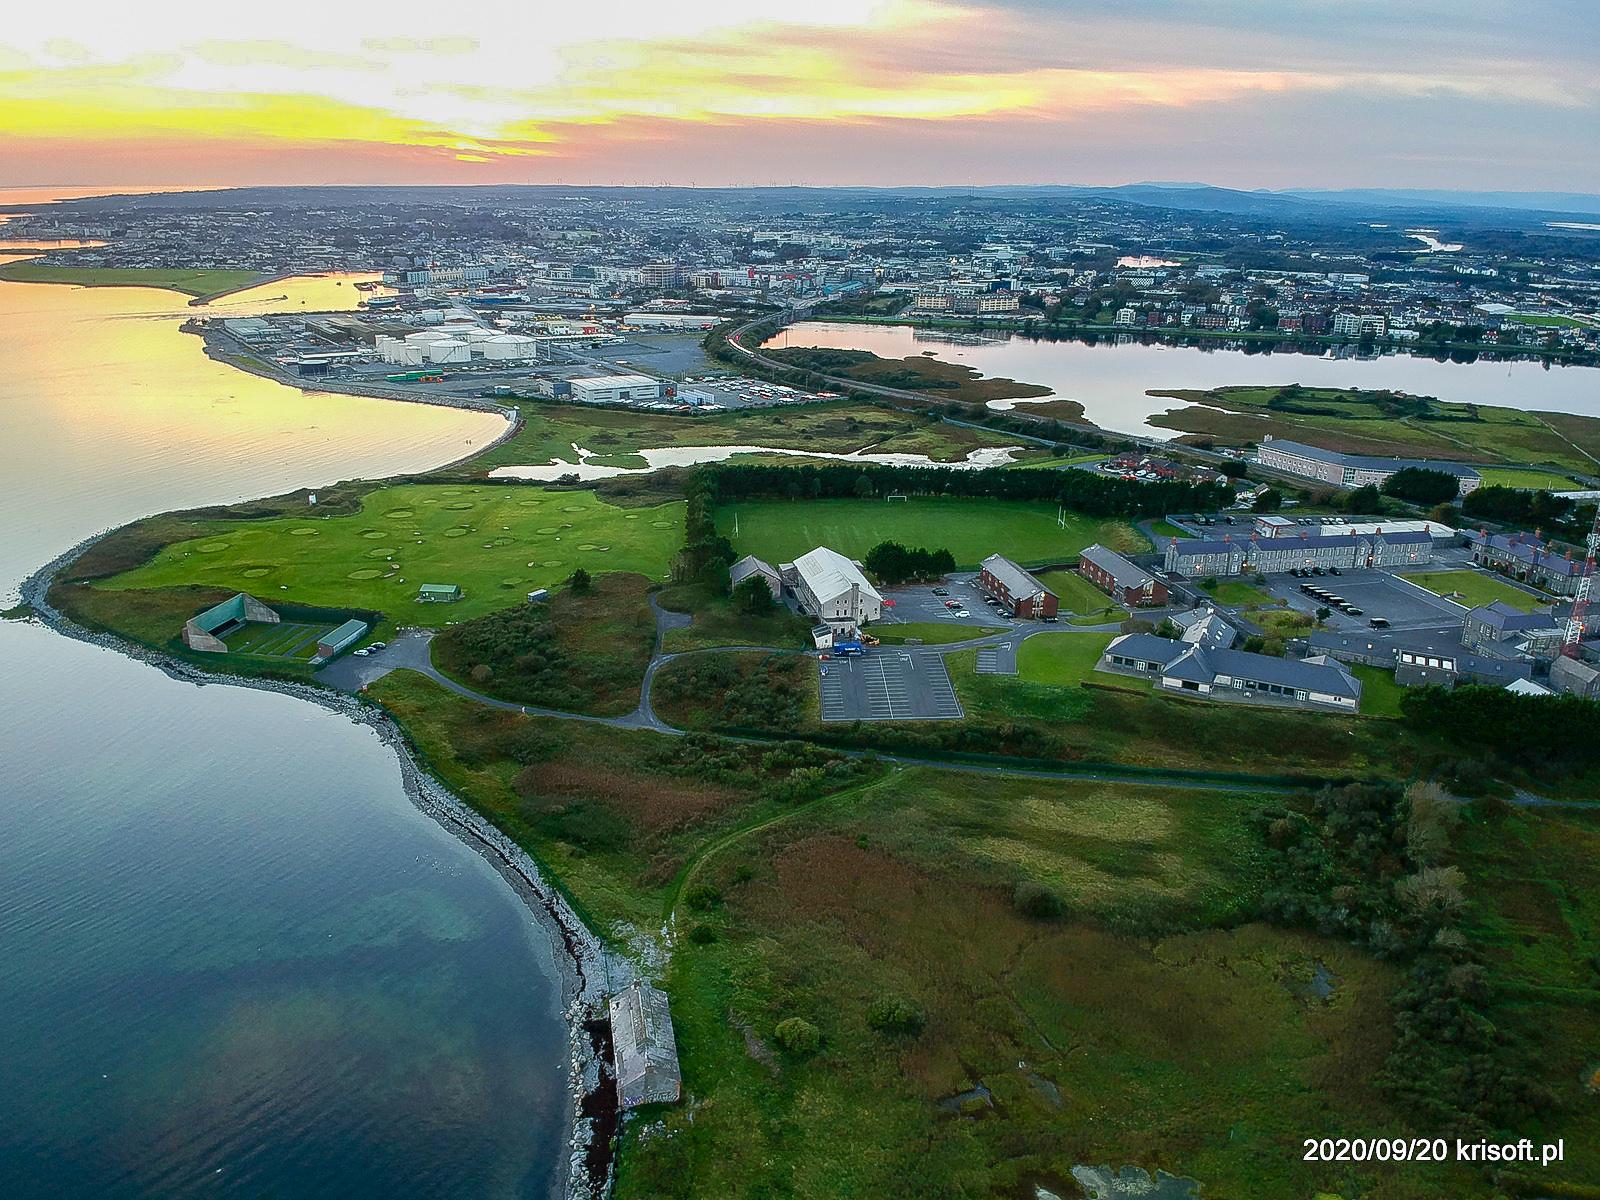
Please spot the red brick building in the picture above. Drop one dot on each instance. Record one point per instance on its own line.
(1019, 591)
(1120, 579)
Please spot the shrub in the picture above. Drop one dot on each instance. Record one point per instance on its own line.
(702, 934)
(703, 896)
(797, 1036)
(481, 673)
(894, 1014)
(1037, 901)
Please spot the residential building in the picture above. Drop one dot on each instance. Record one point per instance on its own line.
(1352, 470)
(832, 588)
(1317, 682)
(1122, 580)
(1525, 558)
(1496, 627)
(1197, 558)
(1575, 677)
(1021, 593)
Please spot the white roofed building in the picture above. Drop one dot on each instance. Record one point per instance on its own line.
(832, 588)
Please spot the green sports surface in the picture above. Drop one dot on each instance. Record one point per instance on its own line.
(1027, 531)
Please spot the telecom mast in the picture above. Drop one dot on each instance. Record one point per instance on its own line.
(1573, 634)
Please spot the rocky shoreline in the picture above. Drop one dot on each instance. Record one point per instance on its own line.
(589, 971)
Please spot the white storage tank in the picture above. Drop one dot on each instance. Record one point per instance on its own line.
(449, 351)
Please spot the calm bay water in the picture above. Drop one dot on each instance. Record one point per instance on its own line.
(239, 962)
(1110, 380)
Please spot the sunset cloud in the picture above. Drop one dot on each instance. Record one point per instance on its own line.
(1032, 91)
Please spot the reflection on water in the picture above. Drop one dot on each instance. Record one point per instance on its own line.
(108, 412)
(239, 963)
(1110, 379)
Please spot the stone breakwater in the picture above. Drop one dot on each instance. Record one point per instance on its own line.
(589, 971)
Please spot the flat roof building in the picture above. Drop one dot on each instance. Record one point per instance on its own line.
(439, 593)
(1352, 470)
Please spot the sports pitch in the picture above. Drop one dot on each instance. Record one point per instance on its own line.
(290, 640)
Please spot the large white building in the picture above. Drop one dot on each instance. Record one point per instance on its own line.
(832, 588)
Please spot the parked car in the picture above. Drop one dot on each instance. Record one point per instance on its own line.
(1050, 620)
(952, 604)
(960, 612)
(1379, 622)
(1333, 570)
(377, 645)
(1317, 571)
(1350, 610)
(940, 592)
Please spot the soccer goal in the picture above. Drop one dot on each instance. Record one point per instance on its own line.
(895, 496)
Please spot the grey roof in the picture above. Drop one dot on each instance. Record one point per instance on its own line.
(1147, 647)
(1124, 573)
(1529, 551)
(751, 565)
(1420, 641)
(1017, 581)
(1497, 614)
(1326, 677)
(1370, 462)
(1211, 631)
(644, 1047)
(1570, 674)
(1310, 541)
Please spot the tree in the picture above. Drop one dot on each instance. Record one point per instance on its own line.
(1364, 500)
(1422, 485)
(1270, 500)
(753, 596)
(580, 580)
(864, 488)
(896, 1014)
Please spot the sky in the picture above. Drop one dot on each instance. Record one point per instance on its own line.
(1465, 94)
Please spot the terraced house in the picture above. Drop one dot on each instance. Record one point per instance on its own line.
(1196, 558)
(1526, 558)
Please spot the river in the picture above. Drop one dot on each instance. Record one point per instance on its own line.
(239, 961)
(1111, 379)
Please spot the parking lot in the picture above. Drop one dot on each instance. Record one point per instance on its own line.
(1376, 593)
(918, 603)
(888, 685)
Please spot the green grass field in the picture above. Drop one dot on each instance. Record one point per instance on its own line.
(1237, 592)
(780, 531)
(496, 542)
(1380, 694)
(931, 633)
(1078, 595)
(190, 283)
(1473, 588)
(290, 639)
(1064, 659)
(1522, 477)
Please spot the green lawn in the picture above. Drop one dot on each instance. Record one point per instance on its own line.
(931, 633)
(717, 622)
(1064, 659)
(1473, 588)
(1078, 595)
(191, 283)
(497, 542)
(1166, 529)
(1035, 464)
(1548, 320)
(1236, 592)
(782, 530)
(1523, 477)
(1380, 694)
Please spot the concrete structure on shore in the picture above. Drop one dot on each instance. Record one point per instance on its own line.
(644, 1047)
(206, 631)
